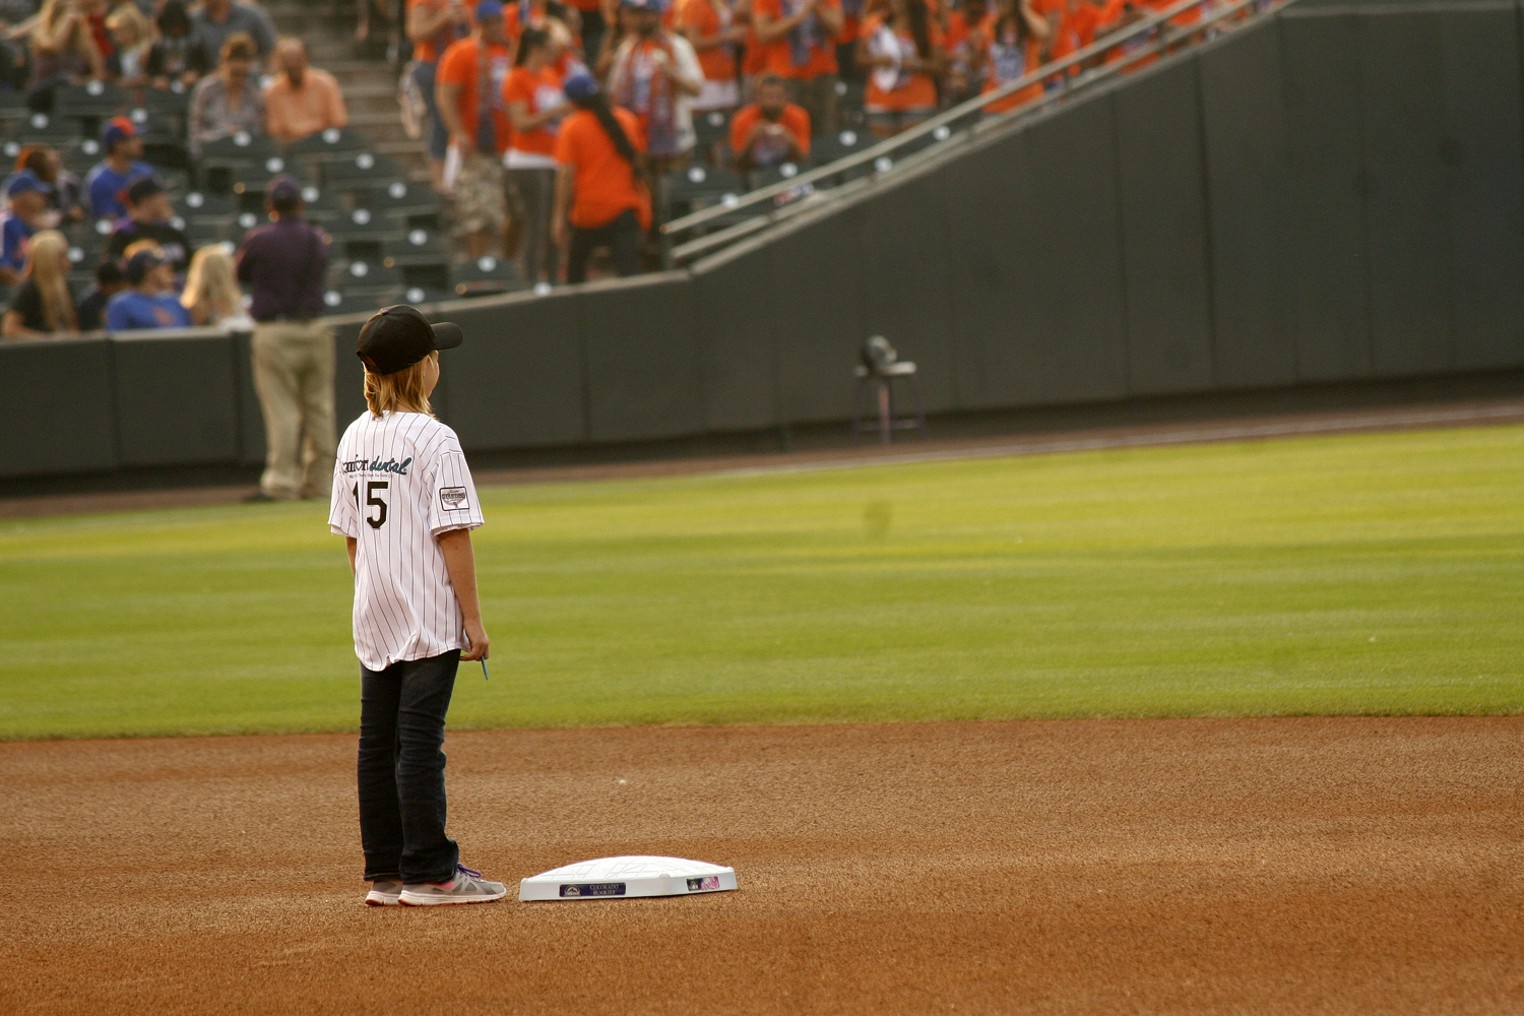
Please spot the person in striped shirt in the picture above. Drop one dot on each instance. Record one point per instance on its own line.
(404, 501)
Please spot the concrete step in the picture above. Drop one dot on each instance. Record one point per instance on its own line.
(312, 18)
(368, 81)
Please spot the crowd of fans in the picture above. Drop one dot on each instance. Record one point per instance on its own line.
(552, 128)
(502, 84)
(229, 74)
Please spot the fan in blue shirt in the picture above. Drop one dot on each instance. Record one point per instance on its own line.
(123, 163)
(151, 301)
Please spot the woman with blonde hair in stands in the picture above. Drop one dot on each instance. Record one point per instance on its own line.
(211, 291)
(132, 35)
(42, 305)
(63, 49)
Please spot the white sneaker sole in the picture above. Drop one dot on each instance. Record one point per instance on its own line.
(375, 899)
(409, 900)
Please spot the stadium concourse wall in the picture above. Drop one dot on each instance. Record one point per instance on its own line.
(1333, 194)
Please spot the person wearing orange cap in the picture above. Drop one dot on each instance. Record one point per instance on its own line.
(122, 163)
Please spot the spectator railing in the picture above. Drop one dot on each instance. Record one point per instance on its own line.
(1150, 38)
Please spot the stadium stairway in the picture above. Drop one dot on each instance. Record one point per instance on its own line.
(368, 79)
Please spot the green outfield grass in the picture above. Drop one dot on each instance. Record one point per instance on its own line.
(1375, 574)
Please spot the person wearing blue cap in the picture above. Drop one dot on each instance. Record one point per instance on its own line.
(283, 265)
(150, 301)
(27, 203)
(656, 75)
(602, 199)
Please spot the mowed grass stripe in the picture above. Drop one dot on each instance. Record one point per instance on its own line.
(1366, 574)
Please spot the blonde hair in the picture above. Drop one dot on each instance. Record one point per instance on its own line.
(211, 284)
(53, 12)
(138, 245)
(127, 15)
(48, 268)
(401, 392)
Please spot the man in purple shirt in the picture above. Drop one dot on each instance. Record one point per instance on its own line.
(283, 265)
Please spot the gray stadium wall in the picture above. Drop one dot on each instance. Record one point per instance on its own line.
(1335, 193)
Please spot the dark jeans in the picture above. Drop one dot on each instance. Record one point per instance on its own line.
(534, 195)
(621, 234)
(402, 770)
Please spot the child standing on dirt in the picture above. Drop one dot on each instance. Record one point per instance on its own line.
(404, 501)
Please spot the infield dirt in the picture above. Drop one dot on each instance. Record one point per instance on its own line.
(1255, 866)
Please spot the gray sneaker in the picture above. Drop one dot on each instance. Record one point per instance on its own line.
(467, 886)
(384, 893)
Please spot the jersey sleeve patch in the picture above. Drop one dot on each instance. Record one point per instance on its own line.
(454, 499)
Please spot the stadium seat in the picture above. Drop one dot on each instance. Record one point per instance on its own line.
(234, 228)
(250, 181)
(769, 175)
(93, 101)
(221, 161)
(79, 155)
(698, 187)
(399, 197)
(424, 257)
(14, 112)
(419, 296)
(367, 277)
(713, 133)
(163, 104)
(331, 145)
(40, 128)
(365, 173)
(487, 276)
(322, 206)
(365, 236)
(830, 147)
(338, 301)
(213, 209)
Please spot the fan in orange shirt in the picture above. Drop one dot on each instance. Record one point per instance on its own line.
(1072, 26)
(799, 37)
(1012, 52)
(713, 30)
(968, 30)
(432, 25)
(532, 95)
(770, 131)
(548, 15)
(601, 199)
(1119, 15)
(901, 48)
(469, 93)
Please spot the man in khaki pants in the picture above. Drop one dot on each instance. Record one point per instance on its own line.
(284, 265)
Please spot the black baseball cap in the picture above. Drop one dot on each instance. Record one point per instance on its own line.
(144, 187)
(141, 263)
(397, 337)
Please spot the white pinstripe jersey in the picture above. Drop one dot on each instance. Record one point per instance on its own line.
(398, 483)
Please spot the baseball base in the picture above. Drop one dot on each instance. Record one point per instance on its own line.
(627, 877)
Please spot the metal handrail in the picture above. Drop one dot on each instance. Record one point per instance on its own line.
(972, 107)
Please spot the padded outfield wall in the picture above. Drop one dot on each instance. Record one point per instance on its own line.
(1333, 194)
